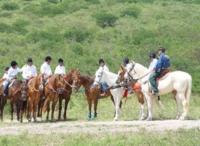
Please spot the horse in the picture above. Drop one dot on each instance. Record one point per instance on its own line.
(34, 96)
(2, 99)
(17, 93)
(66, 94)
(117, 93)
(54, 87)
(136, 88)
(177, 82)
(92, 92)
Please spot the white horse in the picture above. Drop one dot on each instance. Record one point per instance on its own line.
(117, 93)
(177, 82)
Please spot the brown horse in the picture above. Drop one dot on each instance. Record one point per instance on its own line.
(34, 94)
(17, 94)
(2, 99)
(92, 92)
(66, 94)
(54, 87)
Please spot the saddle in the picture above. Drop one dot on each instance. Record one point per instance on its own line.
(163, 73)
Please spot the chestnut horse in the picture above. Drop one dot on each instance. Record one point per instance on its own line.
(54, 87)
(34, 94)
(66, 94)
(92, 92)
(17, 94)
(2, 99)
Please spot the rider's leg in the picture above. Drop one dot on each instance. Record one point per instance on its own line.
(153, 81)
(5, 87)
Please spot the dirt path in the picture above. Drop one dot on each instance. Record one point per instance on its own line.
(96, 127)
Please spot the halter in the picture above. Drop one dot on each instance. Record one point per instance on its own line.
(132, 68)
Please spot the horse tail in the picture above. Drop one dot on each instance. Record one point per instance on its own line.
(188, 89)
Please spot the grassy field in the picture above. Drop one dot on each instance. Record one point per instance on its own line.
(143, 138)
(82, 31)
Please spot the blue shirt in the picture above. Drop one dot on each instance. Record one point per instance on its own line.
(163, 62)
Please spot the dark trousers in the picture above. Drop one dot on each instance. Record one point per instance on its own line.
(153, 81)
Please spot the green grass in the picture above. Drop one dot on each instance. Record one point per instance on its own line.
(143, 138)
(82, 31)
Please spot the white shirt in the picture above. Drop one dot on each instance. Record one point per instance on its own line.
(153, 64)
(28, 71)
(97, 74)
(128, 66)
(5, 76)
(12, 73)
(45, 69)
(60, 70)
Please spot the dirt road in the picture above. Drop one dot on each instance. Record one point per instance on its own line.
(96, 127)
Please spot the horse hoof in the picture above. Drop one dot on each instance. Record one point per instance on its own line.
(149, 119)
(141, 118)
(182, 118)
(115, 119)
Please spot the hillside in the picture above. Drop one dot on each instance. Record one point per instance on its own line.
(81, 31)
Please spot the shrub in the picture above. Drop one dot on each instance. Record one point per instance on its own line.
(10, 6)
(104, 19)
(131, 11)
(77, 34)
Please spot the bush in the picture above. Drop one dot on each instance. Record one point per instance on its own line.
(104, 19)
(131, 11)
(77, 34)
(10, 6)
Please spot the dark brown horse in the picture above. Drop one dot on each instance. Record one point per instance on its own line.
(34, 94)
(93, 93)
(66, 94)
(17, 94)
(2, 99)
(54, 87)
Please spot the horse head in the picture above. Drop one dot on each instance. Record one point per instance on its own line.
(59, 84)
(76, 77)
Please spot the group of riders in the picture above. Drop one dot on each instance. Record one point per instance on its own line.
(29, 71)
(159, 62)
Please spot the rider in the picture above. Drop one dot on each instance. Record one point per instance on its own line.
(154, 61)
(162, 64)
(12, 74)
(103, 85)
(60, 69)
(45, 68)
(5, 75)
(29, 70)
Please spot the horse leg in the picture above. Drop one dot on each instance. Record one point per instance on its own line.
(117, 109)
(149, 106)
(60, 108)
(178, 113)
(18, 110)
(65, 110)
(21, 110)
(95, 107)
(140, 97)
(89, 108)
(184, 104)
(53, 109)
(11, 110)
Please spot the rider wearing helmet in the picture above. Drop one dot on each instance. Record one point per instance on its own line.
(162, 64)
(12, 74)
(103, 85)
